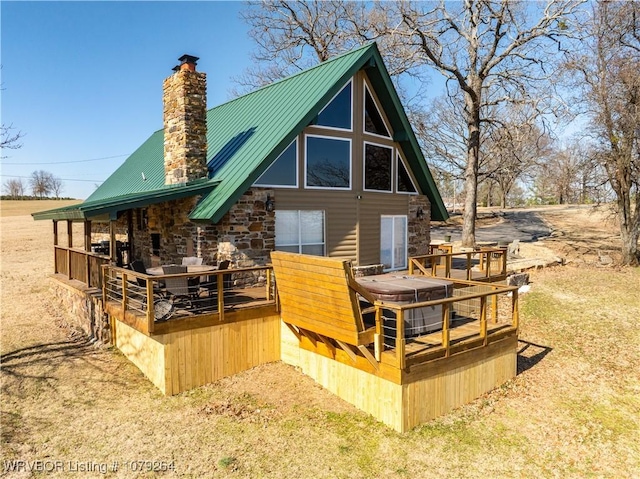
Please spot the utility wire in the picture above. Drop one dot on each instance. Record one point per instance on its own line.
(63, 179)
(68, 162)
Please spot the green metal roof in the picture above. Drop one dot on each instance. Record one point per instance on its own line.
(112, 206)
(247, 134)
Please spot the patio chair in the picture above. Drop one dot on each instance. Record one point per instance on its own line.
(179, 289)
(211, 285)
(138, 267)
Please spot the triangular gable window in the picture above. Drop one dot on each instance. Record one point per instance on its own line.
(404, 181)
(337, 114)
(283, 171)
(373, 122)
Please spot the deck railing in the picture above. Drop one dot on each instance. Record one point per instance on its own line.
(147, 301)
(81, 265)
(481, 264)
(474, 314)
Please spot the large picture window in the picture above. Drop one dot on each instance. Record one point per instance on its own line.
(393, 242)
(377, 167)
(328, 162)
(283, 171)
(299, 231)
(337, 114)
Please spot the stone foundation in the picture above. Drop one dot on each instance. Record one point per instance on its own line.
(81, 308)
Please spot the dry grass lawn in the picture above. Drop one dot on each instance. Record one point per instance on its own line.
(572, 411)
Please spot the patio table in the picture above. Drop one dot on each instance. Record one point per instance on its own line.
(194, 268)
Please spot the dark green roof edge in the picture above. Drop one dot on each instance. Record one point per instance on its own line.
(116, 204)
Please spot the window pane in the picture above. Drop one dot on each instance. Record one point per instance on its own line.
(373, 122)
(386, 241)
(400, 242)
(312, 227)
(289, 249)
(328, 162)
(317, 250)
(287, 228)
(337, 114)
(300, 232)
(404, 180)
(377, 168)
(283, 171)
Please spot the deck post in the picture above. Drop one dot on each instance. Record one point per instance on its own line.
(150, 312)
(69, 246)
(55, 243)
(268, 285)
(112, 241)
(220, 297)
(469, 274)
(483, 319)
(378, 337)
(514, 309)
(400, 356)
(87, 248)
(124, 293)
(494, 309)
(445, 329)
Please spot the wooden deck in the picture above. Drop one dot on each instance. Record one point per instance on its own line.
(484, 265)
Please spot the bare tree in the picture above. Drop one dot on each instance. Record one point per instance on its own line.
(606, 69)
(56, 186)
(513, 148)
(491, 52)
(14, 187)
(40, 183)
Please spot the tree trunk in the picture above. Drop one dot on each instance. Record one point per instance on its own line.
(629, 228)
(472, 106)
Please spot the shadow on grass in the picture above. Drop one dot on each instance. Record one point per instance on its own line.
(530, 354)
(40, 363)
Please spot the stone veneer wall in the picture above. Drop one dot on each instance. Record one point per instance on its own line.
(81, 309)
(185, 126)
(419, 228)
(245, 235)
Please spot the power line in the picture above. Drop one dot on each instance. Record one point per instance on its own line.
(68, 162)
(63, 179)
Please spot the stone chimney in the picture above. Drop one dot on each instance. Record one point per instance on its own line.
(185, 123)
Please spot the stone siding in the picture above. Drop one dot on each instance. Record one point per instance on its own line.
(81, 308)
(185, 126)
(419, 232)
(245, 236)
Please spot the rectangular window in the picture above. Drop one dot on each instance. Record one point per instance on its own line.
(300, 231)
(377, 167)
(393, 242)
(328, 162)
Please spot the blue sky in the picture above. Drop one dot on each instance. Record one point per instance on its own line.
(83, 80)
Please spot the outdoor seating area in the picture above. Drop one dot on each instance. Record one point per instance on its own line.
(181, 291)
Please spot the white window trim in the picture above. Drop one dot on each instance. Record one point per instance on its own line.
(406, 242)
(364, 166)
(364, 109)
(350, 163)
(404, 163)
(299, 245)
(295, 140)
(335, 128)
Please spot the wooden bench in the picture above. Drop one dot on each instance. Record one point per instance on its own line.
(319, 295)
